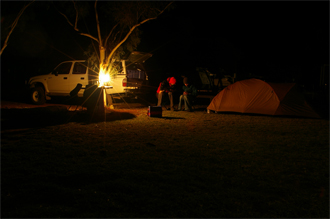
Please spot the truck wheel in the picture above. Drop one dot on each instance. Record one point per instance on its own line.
(38, 96)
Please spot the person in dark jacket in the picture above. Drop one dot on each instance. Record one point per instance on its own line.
(166, 87)
(189, 94)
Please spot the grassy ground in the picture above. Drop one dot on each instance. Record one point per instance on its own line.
(61, 165)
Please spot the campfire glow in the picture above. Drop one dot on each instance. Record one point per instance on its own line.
(104, 78)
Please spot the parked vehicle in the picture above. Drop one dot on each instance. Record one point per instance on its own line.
(214, 82)
(69, 75)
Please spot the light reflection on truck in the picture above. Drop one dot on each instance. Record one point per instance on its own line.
(68, 75)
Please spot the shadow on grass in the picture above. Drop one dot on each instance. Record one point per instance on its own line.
(168, 117)
(53, 115)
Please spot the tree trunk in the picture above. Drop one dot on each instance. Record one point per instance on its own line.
(102, 57)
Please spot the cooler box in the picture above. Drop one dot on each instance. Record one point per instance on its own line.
(155, 111)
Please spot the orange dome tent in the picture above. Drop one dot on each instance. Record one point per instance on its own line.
(259, 97)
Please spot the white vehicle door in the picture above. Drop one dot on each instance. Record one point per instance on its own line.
(79, 76)
(58, 82)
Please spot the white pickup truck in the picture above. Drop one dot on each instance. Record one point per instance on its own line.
(67, 75)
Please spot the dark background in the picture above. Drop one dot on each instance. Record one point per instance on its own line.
(274, 40)
(277, 41)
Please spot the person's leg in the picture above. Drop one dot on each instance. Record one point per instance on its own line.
(180, 101)
(160, 95)
(157, 98)
(187, 102)
(185, 99)
(170, 96)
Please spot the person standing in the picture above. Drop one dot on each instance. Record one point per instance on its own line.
(166, 87)
(189, 94)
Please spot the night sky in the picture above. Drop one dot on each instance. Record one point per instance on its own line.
(270, 39)
(259, 38)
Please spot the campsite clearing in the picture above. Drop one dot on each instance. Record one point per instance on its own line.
(181, 165)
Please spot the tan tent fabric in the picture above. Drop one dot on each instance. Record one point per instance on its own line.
(259, 97)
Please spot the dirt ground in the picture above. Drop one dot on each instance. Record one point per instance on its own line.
(63, 163)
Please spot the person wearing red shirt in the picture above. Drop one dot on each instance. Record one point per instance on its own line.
(166, 87)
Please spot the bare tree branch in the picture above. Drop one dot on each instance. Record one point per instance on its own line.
(104, 59)
(98, 25)
(76, 22)
(66, 19)
(106, 40)
(131, 30)
(14, 25)
(90, 36)
(115, 37)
